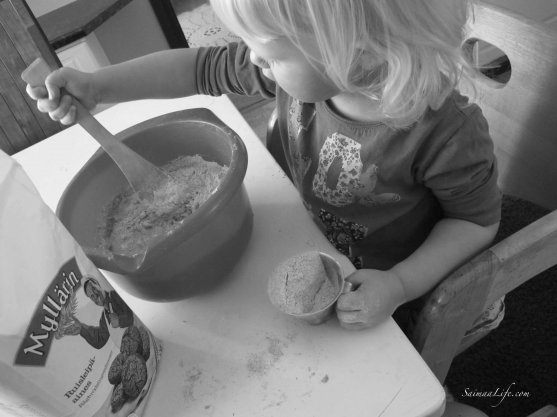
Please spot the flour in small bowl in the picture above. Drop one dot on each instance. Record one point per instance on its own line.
(131, 224)
(303, 284)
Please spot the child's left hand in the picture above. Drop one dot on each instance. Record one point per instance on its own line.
(377, 295)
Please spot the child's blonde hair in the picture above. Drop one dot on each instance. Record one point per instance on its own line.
(405, 53)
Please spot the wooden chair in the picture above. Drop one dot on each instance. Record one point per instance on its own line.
(547, 411)
(21, 41)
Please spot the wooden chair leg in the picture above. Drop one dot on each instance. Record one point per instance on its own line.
(547, 411)
(456, 409)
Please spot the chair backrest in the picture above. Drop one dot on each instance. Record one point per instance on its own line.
(21, 41)
(521, 115)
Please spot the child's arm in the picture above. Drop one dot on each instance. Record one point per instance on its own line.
(450, 243)
(164, 74)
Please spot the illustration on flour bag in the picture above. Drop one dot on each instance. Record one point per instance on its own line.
(69, 344)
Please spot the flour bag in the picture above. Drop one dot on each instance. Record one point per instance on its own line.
(69, 345)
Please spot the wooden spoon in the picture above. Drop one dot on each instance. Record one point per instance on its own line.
(138, 171)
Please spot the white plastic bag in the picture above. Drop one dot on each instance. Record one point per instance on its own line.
(69, 345)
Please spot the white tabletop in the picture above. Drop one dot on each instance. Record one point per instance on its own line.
(229, 352)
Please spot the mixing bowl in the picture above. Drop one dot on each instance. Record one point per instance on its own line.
(201, 252)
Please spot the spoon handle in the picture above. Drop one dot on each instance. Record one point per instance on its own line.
(137, 170)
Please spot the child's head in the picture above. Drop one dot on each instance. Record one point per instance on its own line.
(406, 53)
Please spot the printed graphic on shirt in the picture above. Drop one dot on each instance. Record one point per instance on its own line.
(300, 118)
(341, 180)
(342, 234)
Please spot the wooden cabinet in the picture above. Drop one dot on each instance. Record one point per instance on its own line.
(21, 124)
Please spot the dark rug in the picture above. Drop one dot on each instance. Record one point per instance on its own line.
(512, 372)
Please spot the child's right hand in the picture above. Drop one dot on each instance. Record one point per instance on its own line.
(76, 83)
(376, 296)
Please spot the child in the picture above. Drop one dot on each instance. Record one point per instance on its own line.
(394, 164)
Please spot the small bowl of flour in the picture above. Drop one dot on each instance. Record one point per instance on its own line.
(307, 286)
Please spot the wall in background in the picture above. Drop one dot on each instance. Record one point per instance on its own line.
(132, 32)
(540, 10)
(40, 7)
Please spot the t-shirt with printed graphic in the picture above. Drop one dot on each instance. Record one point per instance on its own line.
(375, 191)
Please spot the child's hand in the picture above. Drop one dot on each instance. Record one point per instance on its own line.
(377, 295)
(76, 83)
